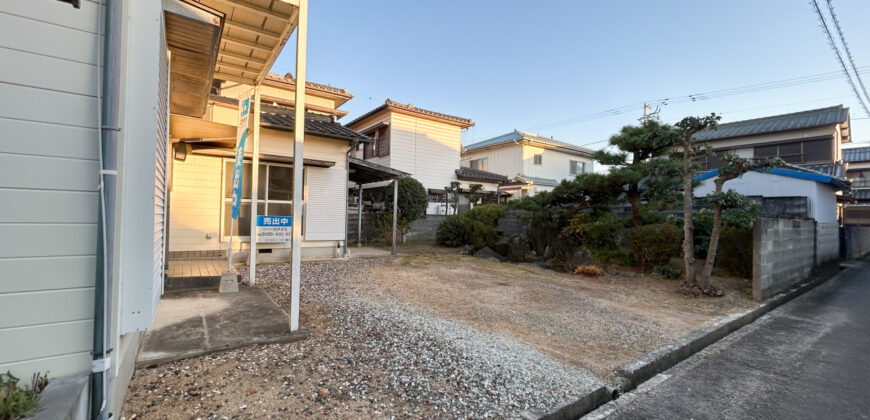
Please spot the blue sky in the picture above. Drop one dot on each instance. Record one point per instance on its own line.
(507, 66)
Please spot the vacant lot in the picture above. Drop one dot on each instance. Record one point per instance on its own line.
(431, 335)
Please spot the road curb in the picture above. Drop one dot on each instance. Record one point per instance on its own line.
(651, 364)
(574, 408)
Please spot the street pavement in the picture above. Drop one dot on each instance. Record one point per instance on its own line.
(808, 359)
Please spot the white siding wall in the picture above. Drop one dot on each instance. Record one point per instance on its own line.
(554, 164)
(822, 198)
(427, 149)
(48, 179)
(505, 160)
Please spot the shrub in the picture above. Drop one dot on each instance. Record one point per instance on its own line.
(482, 235)
(588, 270)
(735, 251)
(601, 233)
(667, 272)
(655, 244)
(454, 231)
(486, 213)
(612, 257)
(19, 402)
(413, 199)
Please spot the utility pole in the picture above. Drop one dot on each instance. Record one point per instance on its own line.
(648, 116)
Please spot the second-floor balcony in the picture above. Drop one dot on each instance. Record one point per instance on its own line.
(861, 183)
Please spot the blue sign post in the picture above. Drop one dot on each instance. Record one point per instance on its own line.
(244, 111)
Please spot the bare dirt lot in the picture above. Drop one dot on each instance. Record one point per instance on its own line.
(432, 334)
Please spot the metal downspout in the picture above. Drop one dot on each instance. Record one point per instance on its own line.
(109, 122)
(346, 203)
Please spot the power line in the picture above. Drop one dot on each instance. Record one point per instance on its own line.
(695, 97)
(833, 45)
(846, 48)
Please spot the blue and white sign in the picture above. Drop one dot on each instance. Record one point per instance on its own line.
(242, 134)
(274, 228)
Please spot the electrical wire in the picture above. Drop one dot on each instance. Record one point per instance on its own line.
(833, 45)
(846, 48)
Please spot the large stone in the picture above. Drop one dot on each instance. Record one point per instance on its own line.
(488, 253)
(580, 257)
(502, 247)
(466, 250)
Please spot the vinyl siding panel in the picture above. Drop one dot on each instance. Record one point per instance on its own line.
(48, 182)
(506, 160)
(427, 149)
(555, 164)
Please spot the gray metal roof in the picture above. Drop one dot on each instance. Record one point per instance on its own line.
(835, 169)
(518, 135)
(777, 123)
(857, 154)
(476, 174)
(537, 181)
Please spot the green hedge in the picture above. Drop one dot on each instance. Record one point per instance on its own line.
(654, 245)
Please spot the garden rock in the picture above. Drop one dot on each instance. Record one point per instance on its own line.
(466, 250)
(488, 253)
(502, 247)
(580, 257)
(520, 250)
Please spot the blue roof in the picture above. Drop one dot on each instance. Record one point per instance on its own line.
(791, 172)
(518, 135)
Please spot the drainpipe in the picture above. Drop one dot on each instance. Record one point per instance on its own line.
(346, 203)
(109, 124)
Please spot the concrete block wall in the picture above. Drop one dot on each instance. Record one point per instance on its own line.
(856, 241)
(424, 229)
(827, 242)
(783, 254)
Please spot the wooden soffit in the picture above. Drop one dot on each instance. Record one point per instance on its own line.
(254, 33)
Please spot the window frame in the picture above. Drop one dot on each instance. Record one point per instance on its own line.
(538, 159)
(262, 196)
(477, 162)
(576, 167)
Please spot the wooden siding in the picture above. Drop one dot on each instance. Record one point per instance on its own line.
(48, 180)
(426, 149)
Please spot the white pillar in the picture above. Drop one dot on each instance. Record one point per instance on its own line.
(395, 211)
(359, 215)
(255, 181)
(298, 159)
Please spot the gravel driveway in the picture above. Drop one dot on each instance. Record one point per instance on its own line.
(369, 355)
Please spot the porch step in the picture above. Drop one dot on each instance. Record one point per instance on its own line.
(184, 274)
(190, 283)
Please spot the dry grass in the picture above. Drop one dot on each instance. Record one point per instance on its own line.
(597, 323)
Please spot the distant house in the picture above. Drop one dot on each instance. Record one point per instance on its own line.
(858, 171)
(812, 139)
(532, 163)
(424, 143)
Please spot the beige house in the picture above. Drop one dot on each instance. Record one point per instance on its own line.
(532, 163)
(424, 143)
(201, 168)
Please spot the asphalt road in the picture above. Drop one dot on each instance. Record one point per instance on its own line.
(808, 359)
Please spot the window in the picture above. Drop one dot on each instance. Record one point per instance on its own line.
(706, 163)
(539, 159)
(479, 164)
(275, 195)
(577, 167)
(798, 151)
(380, 145)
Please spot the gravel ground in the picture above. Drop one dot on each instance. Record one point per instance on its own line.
(369, 355)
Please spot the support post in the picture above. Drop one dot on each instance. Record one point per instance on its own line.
(255, 178)
(298, 141)
(359, 215)
(395, 211)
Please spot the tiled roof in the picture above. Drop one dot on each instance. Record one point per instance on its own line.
(288, 78)
(857, 154)
(464, 122)
(835, 169)
(777, 123)
(321, 125)
(518, 135)
(477, 174)
(537, 181)
(861, 194)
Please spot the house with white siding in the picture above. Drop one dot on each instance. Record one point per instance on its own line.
(533, 163)
(423, 143)
(89, 108)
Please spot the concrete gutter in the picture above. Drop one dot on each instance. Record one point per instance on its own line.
(574, 408)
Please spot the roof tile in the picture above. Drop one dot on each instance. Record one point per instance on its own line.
(518, 135)
(777, 123)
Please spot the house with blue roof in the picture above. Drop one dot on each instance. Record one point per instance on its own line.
(532, 163)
